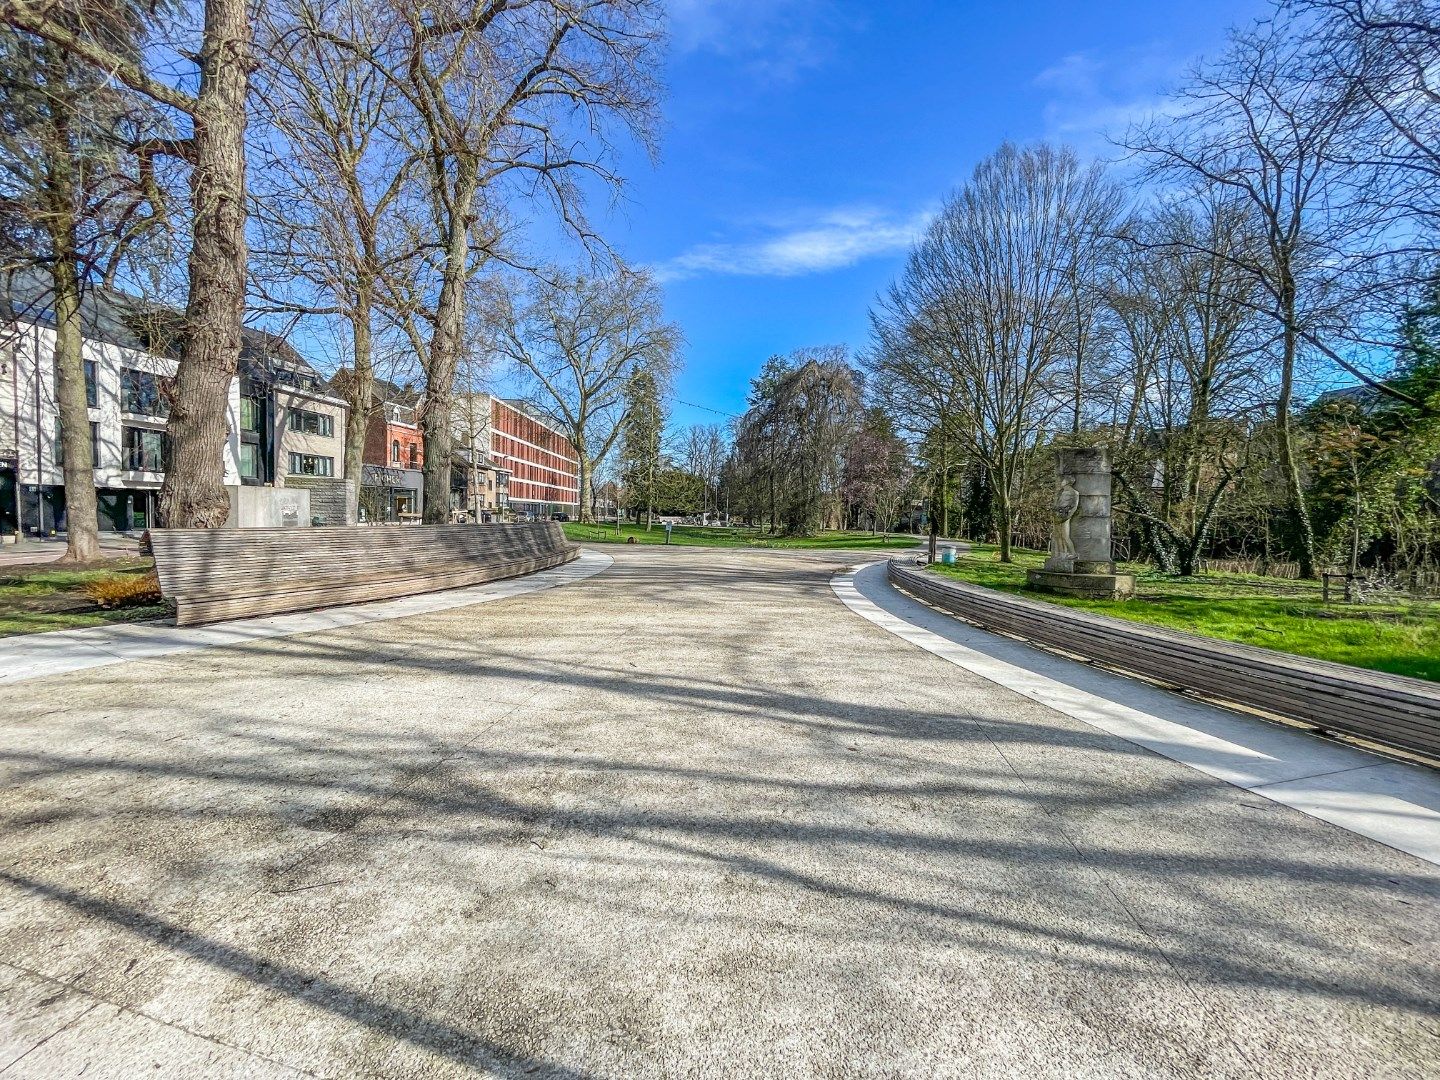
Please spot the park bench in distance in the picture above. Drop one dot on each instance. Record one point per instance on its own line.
(214, 574)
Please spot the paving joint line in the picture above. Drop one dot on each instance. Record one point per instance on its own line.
(100, 999)
(1315, 776)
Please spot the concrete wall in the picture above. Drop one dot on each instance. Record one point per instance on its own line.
(268, 507)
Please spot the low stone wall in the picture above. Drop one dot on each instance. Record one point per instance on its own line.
(330, 499)
(254, 507)
(1391, 709)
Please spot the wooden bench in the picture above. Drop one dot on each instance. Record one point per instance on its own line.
(1391, 709)
(232, 573)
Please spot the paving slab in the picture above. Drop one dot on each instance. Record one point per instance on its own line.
(691, 816)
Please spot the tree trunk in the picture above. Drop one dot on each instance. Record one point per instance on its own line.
(436, 421)
(193, 495)
(361, 397)
(1003, 521)
(82, 538)
(582, 458)
(944, 489)
(1304, 533)
(82, 543)
(1355, 522)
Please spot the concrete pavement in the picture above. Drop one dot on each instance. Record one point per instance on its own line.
(689, 817)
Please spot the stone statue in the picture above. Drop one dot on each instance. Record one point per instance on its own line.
(1067, 504)
(1080, 562)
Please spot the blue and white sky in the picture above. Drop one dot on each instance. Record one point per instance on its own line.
(806, 141)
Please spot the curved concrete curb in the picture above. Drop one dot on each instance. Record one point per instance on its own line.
(33, 656)
(1393, 709)
(1388, 801)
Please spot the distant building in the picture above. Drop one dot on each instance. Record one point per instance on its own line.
(510, 460)
(283, 459)
(393, 485)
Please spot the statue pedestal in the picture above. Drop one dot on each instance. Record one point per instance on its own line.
(1090, 586)
(1080, 563)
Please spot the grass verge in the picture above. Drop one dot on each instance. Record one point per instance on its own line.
(714, 536)
(44, 596)
(1276, 613)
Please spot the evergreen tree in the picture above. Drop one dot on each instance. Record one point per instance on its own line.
(640, 437)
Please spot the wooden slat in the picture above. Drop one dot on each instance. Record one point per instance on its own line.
(1392, 709)
(231, 573)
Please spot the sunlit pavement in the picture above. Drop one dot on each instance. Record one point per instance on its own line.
(689, 817)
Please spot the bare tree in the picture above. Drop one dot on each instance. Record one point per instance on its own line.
(1384, 51)
(1199, 389)
(703, 452)
(499, 97)
(1264, 123)
(982, 306)
(576, 341)
(331, 192)
(193, 494)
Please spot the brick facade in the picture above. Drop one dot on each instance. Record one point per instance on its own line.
(544, 467)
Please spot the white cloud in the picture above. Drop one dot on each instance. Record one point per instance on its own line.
(773, 40)
(831, 241)
(1095, 99)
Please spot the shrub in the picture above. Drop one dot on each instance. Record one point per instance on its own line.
(124, 590)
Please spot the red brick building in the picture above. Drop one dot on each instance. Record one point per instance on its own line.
(392, 485)
(543, 466)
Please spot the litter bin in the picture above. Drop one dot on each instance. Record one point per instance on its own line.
(947, 556)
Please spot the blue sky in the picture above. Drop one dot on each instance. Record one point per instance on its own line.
(807, 140)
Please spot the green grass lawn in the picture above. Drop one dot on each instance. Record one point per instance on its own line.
(44, 597)
(708, 536)
(1272, 612)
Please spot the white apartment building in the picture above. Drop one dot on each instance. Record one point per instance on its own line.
(125, 373)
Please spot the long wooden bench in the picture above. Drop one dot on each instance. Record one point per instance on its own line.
(1391, 709)
(215, 574)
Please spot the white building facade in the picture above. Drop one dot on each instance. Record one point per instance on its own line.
(276, 430)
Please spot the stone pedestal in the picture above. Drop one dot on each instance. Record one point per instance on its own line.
(1080, 562)
(1091, 586)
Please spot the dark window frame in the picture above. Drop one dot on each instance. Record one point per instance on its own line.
(308, 422)
(142, 393)
(134, 457)
(321, 465)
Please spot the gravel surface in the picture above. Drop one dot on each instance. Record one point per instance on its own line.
(688, 818)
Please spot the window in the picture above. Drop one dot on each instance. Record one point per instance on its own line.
(252, 414)
(414, 455)
(90, 383)
(312, 423)
(142, 393)
(311, 465)
(58, 447)
(250, 461)
(395, 451)
(144, 450)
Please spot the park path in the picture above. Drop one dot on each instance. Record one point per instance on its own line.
(689, 817)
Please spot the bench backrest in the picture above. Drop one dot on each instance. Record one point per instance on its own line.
(190, 561)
